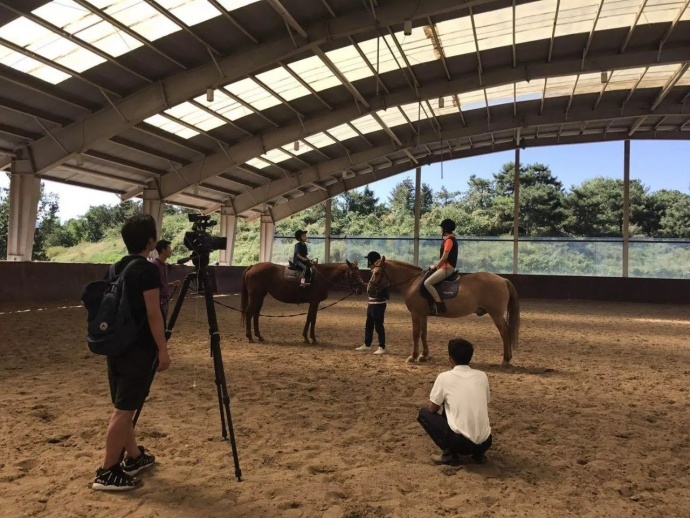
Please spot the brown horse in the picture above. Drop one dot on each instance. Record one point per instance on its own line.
(479, 293)
(263, 279)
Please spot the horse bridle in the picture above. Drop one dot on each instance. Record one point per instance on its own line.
(377, 286)
(353, 284)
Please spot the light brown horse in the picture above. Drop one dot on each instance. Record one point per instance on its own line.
(480, 293)
(264, 279)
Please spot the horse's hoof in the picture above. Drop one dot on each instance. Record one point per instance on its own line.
(411, 359)
(260, 339)
(423, 359)
(314, 341)
(250, 339)
(506, 365)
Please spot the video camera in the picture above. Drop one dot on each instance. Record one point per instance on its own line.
(199, 241)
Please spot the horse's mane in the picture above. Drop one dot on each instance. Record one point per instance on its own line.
(403, 264)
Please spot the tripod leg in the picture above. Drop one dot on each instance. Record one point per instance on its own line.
(178, 306)
(223, 396)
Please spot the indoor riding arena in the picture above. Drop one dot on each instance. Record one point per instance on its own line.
(254, 112)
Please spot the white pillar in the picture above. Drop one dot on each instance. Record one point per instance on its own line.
(626, 206)
(153, 206)
(25, 190)
(417, 212)
(266, 235)
(516, 210)
(228, 229)
(327, 239)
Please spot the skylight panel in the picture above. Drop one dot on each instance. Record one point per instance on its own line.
(617, 13)
(171, 126)
(419, 46)
(576, 17)
(392, 117)
(254, 95)
(303, 148)
(658, 76)
(191, 12)
(142, 18)
(657, 11)
(257, 163)
(534, 21)
(366, 124)
(456, 36)
(343, 132)
(195, 116)
(276, 155)
(319, 140)
(224, 105)
(313, 71)
(282, 83)
(500, 95)
(378, 55)
(30, 66)
(231, 5)
(350, 63)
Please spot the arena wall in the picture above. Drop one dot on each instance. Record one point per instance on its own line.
(44, 282)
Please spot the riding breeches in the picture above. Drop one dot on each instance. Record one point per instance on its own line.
(439, 275)
(306, 269)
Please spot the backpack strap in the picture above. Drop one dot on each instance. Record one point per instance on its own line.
(113, 275)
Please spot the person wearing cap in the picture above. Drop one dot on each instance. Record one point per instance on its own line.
(300, 257)
(444, 267)
(376, 311)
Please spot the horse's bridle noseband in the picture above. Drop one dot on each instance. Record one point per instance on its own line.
(377, 288)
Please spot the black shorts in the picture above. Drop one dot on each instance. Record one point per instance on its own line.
(130, 376)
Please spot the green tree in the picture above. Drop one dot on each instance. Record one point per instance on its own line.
(4, 221)
(444, 197)
(47, 224)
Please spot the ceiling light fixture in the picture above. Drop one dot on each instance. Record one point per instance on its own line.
(407, 26)
(209, 94)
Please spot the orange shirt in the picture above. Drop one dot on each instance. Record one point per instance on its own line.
(447, 247)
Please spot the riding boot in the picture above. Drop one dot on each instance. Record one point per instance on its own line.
(438, 308)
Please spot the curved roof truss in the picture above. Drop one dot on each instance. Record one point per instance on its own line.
(278, 105)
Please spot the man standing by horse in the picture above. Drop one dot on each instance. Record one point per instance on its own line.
(445, 266)
(463, 394)
(376, 311)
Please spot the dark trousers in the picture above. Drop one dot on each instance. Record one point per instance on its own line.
(306, 269)
(375, 316)
(440, 432)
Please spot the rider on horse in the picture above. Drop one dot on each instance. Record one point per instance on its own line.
(300, 258)
(445, 266)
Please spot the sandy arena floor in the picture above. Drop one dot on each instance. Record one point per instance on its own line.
(593, 420)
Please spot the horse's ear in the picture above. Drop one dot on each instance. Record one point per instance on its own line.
(383, 260)
(356, 264)
(349, 264)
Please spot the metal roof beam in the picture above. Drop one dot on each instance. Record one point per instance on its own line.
(673, 80)
(671, 27)
(130, 32)
(321, 171)
(186, 28)
(633, 26)
(553, 30)
(188, 84)
(73, 38)
(252, 147)
(226, 14)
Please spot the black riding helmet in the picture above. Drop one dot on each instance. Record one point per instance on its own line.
(448, 225)
(299, 234)
(372, 257)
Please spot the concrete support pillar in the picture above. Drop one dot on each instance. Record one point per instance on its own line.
(266, 236)
(626, 207)
(154, 206)
(417, 213)
(25, 190)
(228, 229)
(327, 238)
(516, 210)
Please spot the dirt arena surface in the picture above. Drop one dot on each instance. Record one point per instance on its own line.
(593, 420)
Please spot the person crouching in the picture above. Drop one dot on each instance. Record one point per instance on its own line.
(462, 394)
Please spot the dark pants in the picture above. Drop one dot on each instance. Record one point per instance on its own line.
(440, 432)
(306, 270)
(375, 315)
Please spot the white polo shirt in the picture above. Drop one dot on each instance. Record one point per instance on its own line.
(464, 395)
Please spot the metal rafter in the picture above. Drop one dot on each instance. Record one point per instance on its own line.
(227, 121)
(480, 68)
(553, 30)
(603, 89)
(633, 26)
(306, 85)
(502, 76)
(25, 52)
(276, 95)
(673, 25)
(439, 46)
(341, 77)
(130, 32)
(232, 20)
(673, 80)
(185, 85)
(368, 63)
(514, 45)
(248, 106)
(73, 38)
(289, 19)
(186, 28)
(456, 100)
(128, 164)
(634, 88)
(591, 33)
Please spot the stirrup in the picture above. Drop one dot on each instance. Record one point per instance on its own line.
(439, 308)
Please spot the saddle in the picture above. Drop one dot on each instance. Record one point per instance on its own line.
(292, 273)
(447, 289)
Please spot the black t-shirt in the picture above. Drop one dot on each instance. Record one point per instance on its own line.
(301, 249)
(142, 276)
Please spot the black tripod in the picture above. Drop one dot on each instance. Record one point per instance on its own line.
(204, 286)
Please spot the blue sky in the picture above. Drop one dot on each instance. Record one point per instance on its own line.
(659, 164)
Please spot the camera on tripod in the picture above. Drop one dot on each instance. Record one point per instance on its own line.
(199, 240)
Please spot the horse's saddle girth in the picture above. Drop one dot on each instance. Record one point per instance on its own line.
(447, 289)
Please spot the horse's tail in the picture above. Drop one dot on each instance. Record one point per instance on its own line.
(513, 315)
(244, 301)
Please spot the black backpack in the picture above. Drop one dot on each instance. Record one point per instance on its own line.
(111, 328)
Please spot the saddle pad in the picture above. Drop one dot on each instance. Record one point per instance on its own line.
(447, 289)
